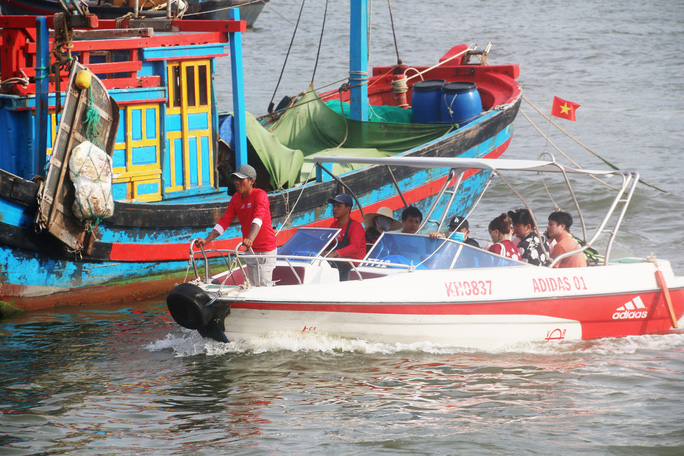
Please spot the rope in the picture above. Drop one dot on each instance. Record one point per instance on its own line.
(283, 17)
(119, 20)
(23, 80)
(346, 123)
(301, 192)
(320, 42)
(420, 73)
(62, 43)
(560, 151)
(399, 86)
(394, 33)
(579, 142)
(91, 123)
(289, 49)
(47, 74)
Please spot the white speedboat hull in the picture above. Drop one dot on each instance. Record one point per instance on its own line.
(484, 308)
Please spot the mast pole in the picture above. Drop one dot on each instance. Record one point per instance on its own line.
(42, 89)
(239, 121)
(358, 59)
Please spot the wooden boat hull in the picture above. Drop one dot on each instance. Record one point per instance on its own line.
(153, 239)
(198, 9)
(483, 309)
(158, 209)
(217, 10)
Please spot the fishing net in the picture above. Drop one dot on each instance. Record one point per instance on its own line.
(90, 170)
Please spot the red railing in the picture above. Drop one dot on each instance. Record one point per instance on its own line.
(94, 48)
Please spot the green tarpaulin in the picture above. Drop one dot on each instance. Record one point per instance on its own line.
(312, 128)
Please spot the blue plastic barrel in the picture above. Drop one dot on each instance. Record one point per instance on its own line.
(460, 103)
(425, 101)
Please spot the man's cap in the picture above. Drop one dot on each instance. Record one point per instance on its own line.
(459, 222)
(244, 172)
(342, 198)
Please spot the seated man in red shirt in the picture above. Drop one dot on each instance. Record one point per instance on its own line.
(351, 241)
(558, 230)
(250, 205)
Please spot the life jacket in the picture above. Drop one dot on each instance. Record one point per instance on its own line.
(590, 253)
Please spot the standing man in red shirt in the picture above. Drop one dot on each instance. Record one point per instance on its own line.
(253, 210)
(351, 241)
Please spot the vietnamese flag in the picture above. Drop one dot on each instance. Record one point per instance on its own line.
(564, 109)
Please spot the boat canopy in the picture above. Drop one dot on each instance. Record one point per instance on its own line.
(493, 164)
(311, 128)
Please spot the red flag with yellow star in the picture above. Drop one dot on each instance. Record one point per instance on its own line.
(564, 109)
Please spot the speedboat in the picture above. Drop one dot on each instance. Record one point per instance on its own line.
(414, 288)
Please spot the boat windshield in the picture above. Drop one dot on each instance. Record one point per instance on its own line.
(308, 242)
(427, 253)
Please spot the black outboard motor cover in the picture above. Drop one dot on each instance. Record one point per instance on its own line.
(187, 304)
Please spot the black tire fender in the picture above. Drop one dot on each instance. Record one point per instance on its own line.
(187, 304)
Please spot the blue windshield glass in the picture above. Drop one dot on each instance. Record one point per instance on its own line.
(426, 253)
(308, 242)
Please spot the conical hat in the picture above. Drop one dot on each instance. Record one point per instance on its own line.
(369, 219)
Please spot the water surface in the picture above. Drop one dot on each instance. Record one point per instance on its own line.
(127, 380)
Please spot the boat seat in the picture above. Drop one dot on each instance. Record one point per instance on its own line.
(236, 278)
(282, 275)
(365, 275)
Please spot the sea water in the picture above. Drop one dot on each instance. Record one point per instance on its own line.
(127, 380)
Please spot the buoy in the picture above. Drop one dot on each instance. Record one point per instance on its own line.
(83, 78)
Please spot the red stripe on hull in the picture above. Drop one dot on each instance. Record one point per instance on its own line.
(103, 294)
(598, 315)
(170, 252)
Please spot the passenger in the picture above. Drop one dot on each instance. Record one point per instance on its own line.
(379, 222)
(250, 205)
(531, 247)
(558, 231)
(460, 225)
(500, 231)
(411, 219)
(351, 240)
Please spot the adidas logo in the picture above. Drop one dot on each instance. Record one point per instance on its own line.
(632, 309)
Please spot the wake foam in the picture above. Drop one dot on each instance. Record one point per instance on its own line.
(190, 343)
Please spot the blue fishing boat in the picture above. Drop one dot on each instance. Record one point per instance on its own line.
(150, 105)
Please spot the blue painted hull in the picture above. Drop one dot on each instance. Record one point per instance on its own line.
(165, 153)
(50, 276)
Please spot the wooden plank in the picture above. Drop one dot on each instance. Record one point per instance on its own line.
(56, 221)
(58, 194)
(123, 83)
(190, 39)
(188, 25)
(17, 189)
(101, 68)
(114, 83)
(144, 32)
